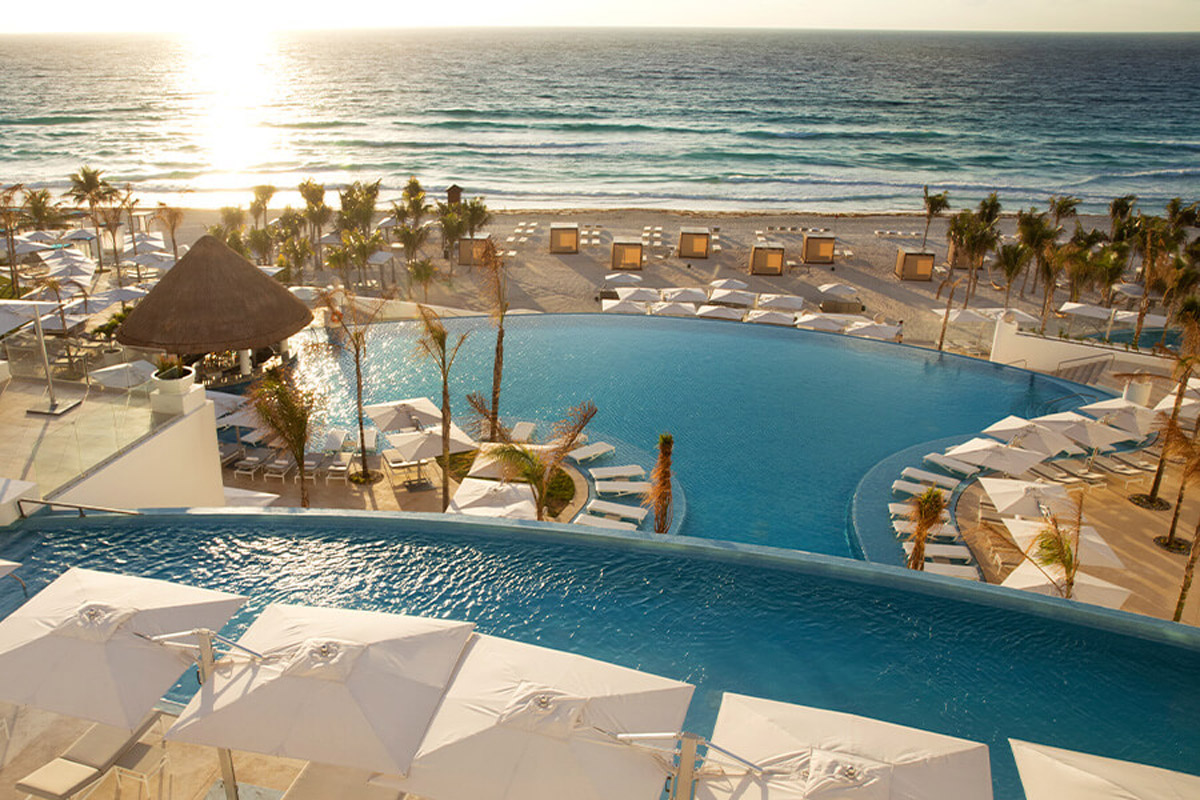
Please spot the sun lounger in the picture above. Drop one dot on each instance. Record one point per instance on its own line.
(932, 478)
(1079, 471)
(249, 466)
(904, 509)
(231, 453)
(905, 527)
(952, 464)
(1117, 467)
(1054, 475)
(411, 472)
(279, 468)
(313, 464)
(1136, 459)
(84, 762)
(950, 552)
(908, 487)
(613, 473)
(339, 468)
(258, 437)
(963, 571)
(335, 440)
(370, 438)
(604, 522)
(324, 782)
(522, 432)
(635, 513)
(622, 487)
(590, 451)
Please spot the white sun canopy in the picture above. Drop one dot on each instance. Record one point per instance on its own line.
(838, 290)
(764, 316)
(1123, 414)
(685, 294)
(7, 567)
(478, 497)
(350, 688)
(990, 454)
(1021, 432)
(622, 307)
(1048, 580)
(637, 294)
(673, 309)
(420, 445)
(719, 312)
(781, 302)
(77, 647)
(813, 753)
(963, 316)
(1051, 773)
(1093, 551)
(1026, 498)
(1087, 432)
(415, 412)
(728, 283)
(622, 279)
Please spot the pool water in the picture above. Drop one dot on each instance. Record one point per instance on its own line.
(773, 427)
(825, 632)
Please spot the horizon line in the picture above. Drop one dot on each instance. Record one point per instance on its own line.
(617, 27)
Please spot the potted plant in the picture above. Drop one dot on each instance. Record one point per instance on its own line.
(172, 376)
(112, 353)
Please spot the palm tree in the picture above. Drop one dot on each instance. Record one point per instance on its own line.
(1012, 259)
(476, 215)
(950, 283)
(258, 206)
(421, 272)
(358, 207)
(412, 239)
(989, 210)
(935, 206)
(360, 247)
(1155, 240)
(1120, 211)
(435, 345)
(10, 215)
(1055, 261)
(539, 468)
(1062, 207)
(1056, 549)
(170, 218)
(288, 411)
(260, 243)
(352, 321)
(294, 251)
(495, 290)
(1109, 267)
(111, 220)
(452, 226)
(957, 231)
(1034, 232)
(89, 187)
(128, 203)
(1187, 447)
(41, 210)
(56, 286)
(981, 238)
(413, 199)
(659, 496)
(1189, 571)
(925, 511)
(316, 213)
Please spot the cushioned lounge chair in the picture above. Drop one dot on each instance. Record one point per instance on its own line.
(604, 522)
(964, 571)
(231, 453)
(606, 508)
(335, 440)
(931, 478)
(255, 460)
(622, 487)
(950, 552)
(951, 464)
(522, 432)
(86, 761)
(908, 487)
(339, 468)
(615, 473)
(588, 452)
(279, 468)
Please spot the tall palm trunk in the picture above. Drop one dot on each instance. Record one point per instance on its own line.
(1047, 303)
(1162, 459)
(446, 435)
(99, 236)
(1188, 572)
(358, 387)
(1143, 308)
(497, 373)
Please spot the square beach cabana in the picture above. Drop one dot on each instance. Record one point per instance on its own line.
(470, 249)
(818, 249)
(694, 242)
(626, 253)
(914, 265)
(564, 237)
(766, 258)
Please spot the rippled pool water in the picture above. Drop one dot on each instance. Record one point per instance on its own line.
(831, 633)
(773, 428)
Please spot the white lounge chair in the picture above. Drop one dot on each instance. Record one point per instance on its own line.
(622, 487)
(249, 466)
(1078, 470)
(230, 453)
(613, 473)
(903, 510)
(950, 552)
(279, 468)
(335, 440)
(635, 513)
(932, 478)
(324, 781)
(1136, 459)
(86, 761)
(952, 464)
(908, 487)
(522, 432)
(964, 571)
(907, 528)
(339, 468)
(604, 522)
(590, 451)
(370, 438)
(1055, 476)
(313, 463)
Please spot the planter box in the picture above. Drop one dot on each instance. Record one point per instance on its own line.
(176, 386)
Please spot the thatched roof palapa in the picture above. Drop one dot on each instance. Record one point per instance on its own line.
(213, 300)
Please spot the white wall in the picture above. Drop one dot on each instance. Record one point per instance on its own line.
(1046, 353)
(177, 467)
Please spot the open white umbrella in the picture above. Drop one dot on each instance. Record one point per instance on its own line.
(40, 236)
(1093, 551)
(484, 498)
(1088, 588)
(622, 279)
(1018, 315)
(838, 290)
(1087, 432)
(637, 294)
(1149, 321)
(7, 567)
(415, 412)
(1051, 773)
(673, 309)
(23, 247)
(873, 330)
(823, 322)
(420, 445)
(528, 723)
(20, 312)
(1026, 498)
(719, 312)
(381, 257)
(730, 297)
(765, 316)
(350, 688)
(1021, 432)
(781, 302)
(963, 316)
(333, 237)
(124, 376)
(270, 272)
(622, 307)
(727, 283)
(1123, 414)
(306, 294)
(813, 753)
(78, 647)
(1085, 311)
(79, 235)
(685, 294)
(990, 454)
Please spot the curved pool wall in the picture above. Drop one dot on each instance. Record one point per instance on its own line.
(774, 427)
(965, 660)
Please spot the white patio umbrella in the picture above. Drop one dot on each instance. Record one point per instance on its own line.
(622, 279)
(685, 294)
(728, 283)
(381, 257)
(720, 312)
(781, 302)
(477, 497)
(1150, 320)
(79, 235)
(1092, 550)
(1018, 315)
(1026, 498)
(7, 567)
(1086, 311)
(420, 445)
(823, 322)
(637, 294)
(673, 309)
(814, 753)
(1123, 414)
(1088, 588)
(124, 376)
(24, 311)
(838, 290)
(350, 688)
(415, 412)
(40, 236)
(23, 247)
(963, 316)
(78, 647)
(333, 237)
(1087, 432)
(873, 330)
(270, 272)
(730, 297)
(765, 316)
(1021, 432)
(990, 454)
(1133, 290)
(528, 723)
(622, 307)
(1051, 773)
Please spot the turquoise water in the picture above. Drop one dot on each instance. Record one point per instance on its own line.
(830, 633)
(822, 120)
(773, 427)
(1150, 337)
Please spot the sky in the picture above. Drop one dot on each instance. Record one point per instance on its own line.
(264, 15)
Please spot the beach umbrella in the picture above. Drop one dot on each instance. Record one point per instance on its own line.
(350, 688)
(767, 317)
(246, 417)
(23, 247)
(40, 236)
(521, 722)
(838, 290)
(1021, 432)
(1150, 320)
(963, 316)
(124, 376)
(822, 322)
(125, 294)
(270, 272)
(728, 283)
(415, 412)
(74, 270)
(306, 294)
(622, 307)
(386, 223)
(79, 646)
(1131, 290)
(1026, 498)
(990, 454)
(730, 297)
(1051, 773)
(7, 567)
(802, 752)
(1087, 432)
(79, 235)
(685, 294)
(781, 302)
(225, 401)
(485, 498)
(1018, 315)
(1085, 311)
(622, 279)
(333, 237)
(1123, 414)
(420, 445)
(671, 309)
(873, 330)
(719, 312)
(637, 294)
(1092, 550)
(248, 498)
(1047, 580)
(380, 258)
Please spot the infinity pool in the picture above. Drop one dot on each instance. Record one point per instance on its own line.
(773, 428)
(826, 632)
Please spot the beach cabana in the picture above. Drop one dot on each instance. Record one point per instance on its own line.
(914, 265)
(564, 237)
(670, 308)
(626, 253)
(685, 294)
(623, 306)
(470, 249)
(213, 300)
(766, 258)
(720, 312)
(781, 302)
(1051, 773)
(694, 242)
(818, 248)
(765, 316)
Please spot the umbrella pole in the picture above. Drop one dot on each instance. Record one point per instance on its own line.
(41, 337)
(224, 757)
(685, 776)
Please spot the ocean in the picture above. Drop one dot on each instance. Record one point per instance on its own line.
(686, 119)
